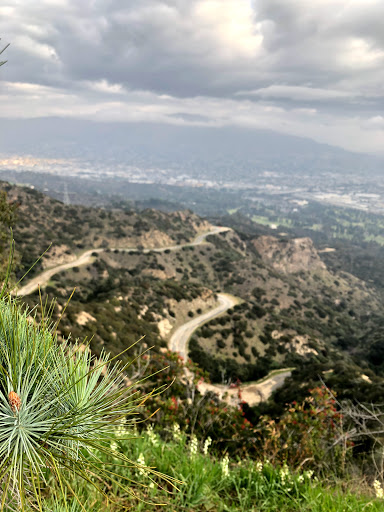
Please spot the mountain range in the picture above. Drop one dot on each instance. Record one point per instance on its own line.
(204, 152)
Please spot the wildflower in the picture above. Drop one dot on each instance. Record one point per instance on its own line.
(378, 489)
(259, 466)
(175, 404)
(141, 461)
(121, 430)
(114, 446)
(207, 444)
(176, 432)
(300, 479)
(193, 445)
(153, 439)
(225, 466)
(284, 473)
(308, 474)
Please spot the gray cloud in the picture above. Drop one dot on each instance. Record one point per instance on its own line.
(296, 93)
(293, 66)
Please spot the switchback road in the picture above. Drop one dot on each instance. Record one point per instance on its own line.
(252, 393)
(179, 339)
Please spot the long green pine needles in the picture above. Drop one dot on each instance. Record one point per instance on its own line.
(59, 406)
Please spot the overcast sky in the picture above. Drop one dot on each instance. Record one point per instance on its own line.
(305, 67)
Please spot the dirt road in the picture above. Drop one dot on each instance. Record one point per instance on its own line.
(179, 339)
(86, 257)
(253, 393)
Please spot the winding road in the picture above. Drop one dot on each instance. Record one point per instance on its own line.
(253, 393)
(86, 257)
(179, 339)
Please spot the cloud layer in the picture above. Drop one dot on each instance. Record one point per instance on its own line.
(305, 68)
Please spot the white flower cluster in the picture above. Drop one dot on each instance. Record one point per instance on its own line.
(207, 444)
(193, 445)
(177, 436)
(153, 438)
(285, 476)
(308, 474)
(378, 489)
(259, 466)
(121, 430)
(144, 471)
(225, 466)
(115, 447)
(141, 461)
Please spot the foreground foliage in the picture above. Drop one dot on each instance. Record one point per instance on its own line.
(217, 484)
(59, 406)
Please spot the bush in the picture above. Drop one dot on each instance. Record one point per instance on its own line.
(307, 433)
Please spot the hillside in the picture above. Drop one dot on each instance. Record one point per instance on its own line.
(71, 229)
(292, 309)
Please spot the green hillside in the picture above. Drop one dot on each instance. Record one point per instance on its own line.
(293, 308)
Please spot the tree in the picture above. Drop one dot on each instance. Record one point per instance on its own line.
(8, 218)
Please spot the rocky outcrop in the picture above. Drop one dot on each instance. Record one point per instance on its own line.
(289, 256)
(194, 221)
(155, 238)
(83, 318)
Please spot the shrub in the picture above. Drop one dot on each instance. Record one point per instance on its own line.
(306, 434)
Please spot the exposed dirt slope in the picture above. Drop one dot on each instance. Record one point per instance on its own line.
(289, 256)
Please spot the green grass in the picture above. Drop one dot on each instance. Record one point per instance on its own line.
(245, 486)
(259, 219)
(266, 221)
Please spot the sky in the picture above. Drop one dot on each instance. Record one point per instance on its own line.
(308, 68)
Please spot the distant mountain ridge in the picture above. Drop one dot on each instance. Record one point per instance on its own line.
(201, 152)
